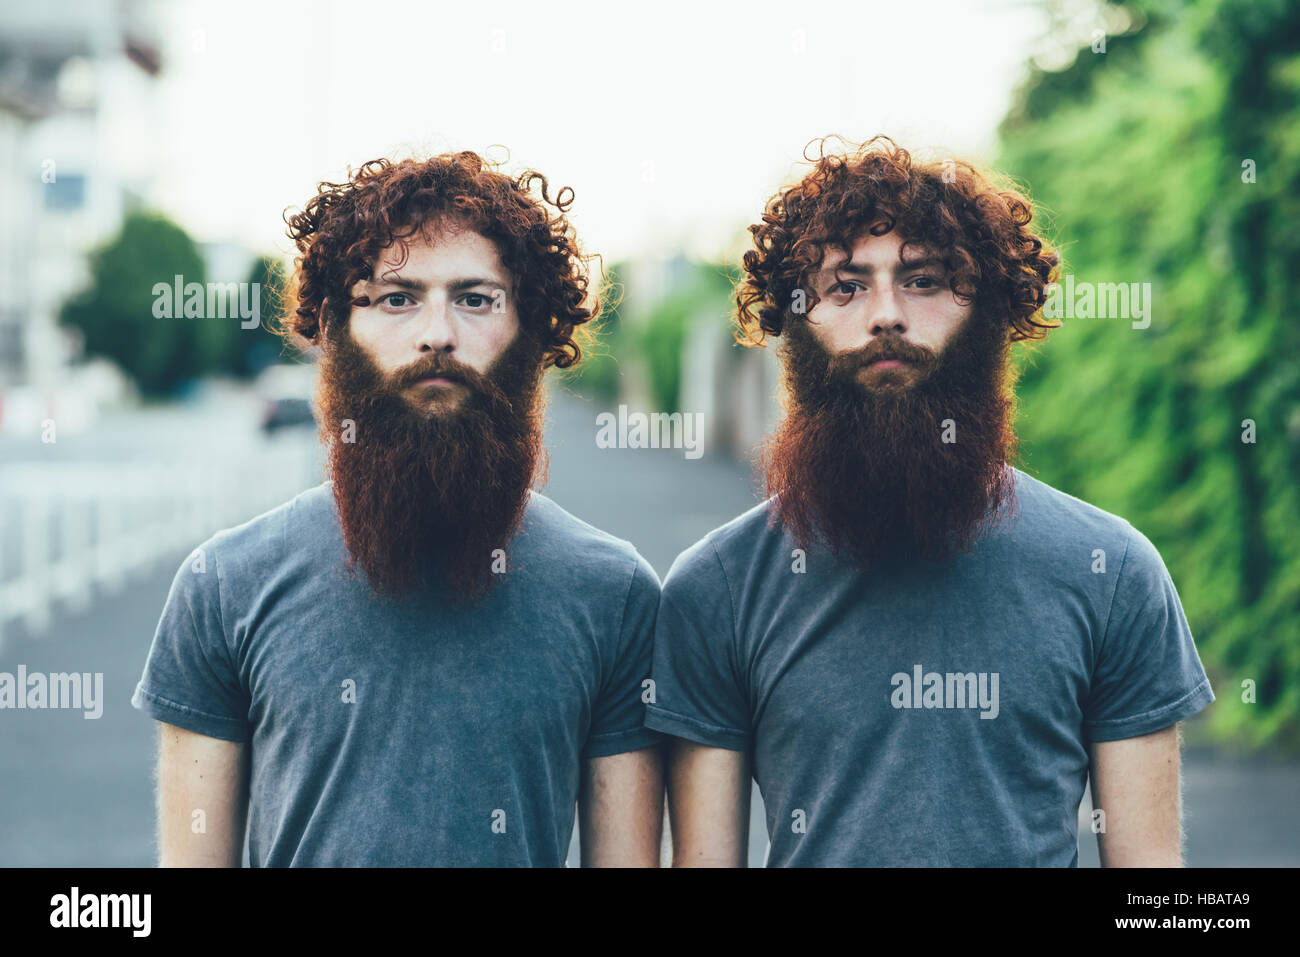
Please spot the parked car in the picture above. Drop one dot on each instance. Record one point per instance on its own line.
(286, 392)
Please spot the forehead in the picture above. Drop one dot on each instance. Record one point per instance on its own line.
(879, 252)
(446, 252)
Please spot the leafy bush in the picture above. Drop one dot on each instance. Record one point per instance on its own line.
(1139, 161)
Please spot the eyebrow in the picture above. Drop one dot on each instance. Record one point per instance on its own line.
(862, 269)
(419, 285)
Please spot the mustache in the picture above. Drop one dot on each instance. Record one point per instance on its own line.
(441, 366)
(846, 364)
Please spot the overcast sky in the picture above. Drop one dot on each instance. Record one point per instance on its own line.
(672, 121)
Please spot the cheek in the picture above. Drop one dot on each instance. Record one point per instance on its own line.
(491, 338)
(362, 331)
(504, 331)
(959, 319)
(945, 322)
(846, 329)
(828, 325)
(370, 336)
(381, 342)
(509, 328)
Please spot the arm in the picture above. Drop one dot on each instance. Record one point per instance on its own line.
(196, 772)
(621, 809)
(1135, 781)
(708, 802)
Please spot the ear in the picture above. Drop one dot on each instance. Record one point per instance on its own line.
(320, 342)
(322, 316)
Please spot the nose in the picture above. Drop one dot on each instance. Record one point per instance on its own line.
(885, 313)
(438, 334)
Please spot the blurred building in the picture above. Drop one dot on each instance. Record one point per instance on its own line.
(78, 82)
(734, 389)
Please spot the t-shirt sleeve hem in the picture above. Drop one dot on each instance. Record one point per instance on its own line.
(191, 719)
(1115, 729)
(693, 729)
(618, 742)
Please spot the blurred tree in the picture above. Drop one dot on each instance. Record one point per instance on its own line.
(705, 296)
(1178, 163)
(249, 351)
(115, 314)
(597, 374)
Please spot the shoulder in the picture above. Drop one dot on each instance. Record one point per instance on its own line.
(1053, 515)
(1053, 520)
(585, 555)
(257, 544)
(724, 552)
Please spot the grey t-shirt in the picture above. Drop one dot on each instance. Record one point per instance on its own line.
(410, 733)
(931, 714)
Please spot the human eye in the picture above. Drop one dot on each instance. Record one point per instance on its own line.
(396, 301)
(924, 283)
(847, 289)
(476, 300)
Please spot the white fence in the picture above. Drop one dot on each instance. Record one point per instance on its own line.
(67, 529)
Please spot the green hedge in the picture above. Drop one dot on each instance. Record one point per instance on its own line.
(1137, 158)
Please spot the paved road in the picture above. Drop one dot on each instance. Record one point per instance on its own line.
(79, 792)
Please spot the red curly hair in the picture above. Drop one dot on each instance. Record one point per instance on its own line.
(979, 230)
(342, 229)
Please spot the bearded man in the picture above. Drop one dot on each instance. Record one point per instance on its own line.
(422, 661)
(918, 651)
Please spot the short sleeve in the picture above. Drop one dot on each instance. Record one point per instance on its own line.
(190, 679)
(1147, 674)
(618, 715)
(698, 695)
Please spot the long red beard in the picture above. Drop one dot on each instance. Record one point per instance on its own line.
(425, 496)
(865, 470)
